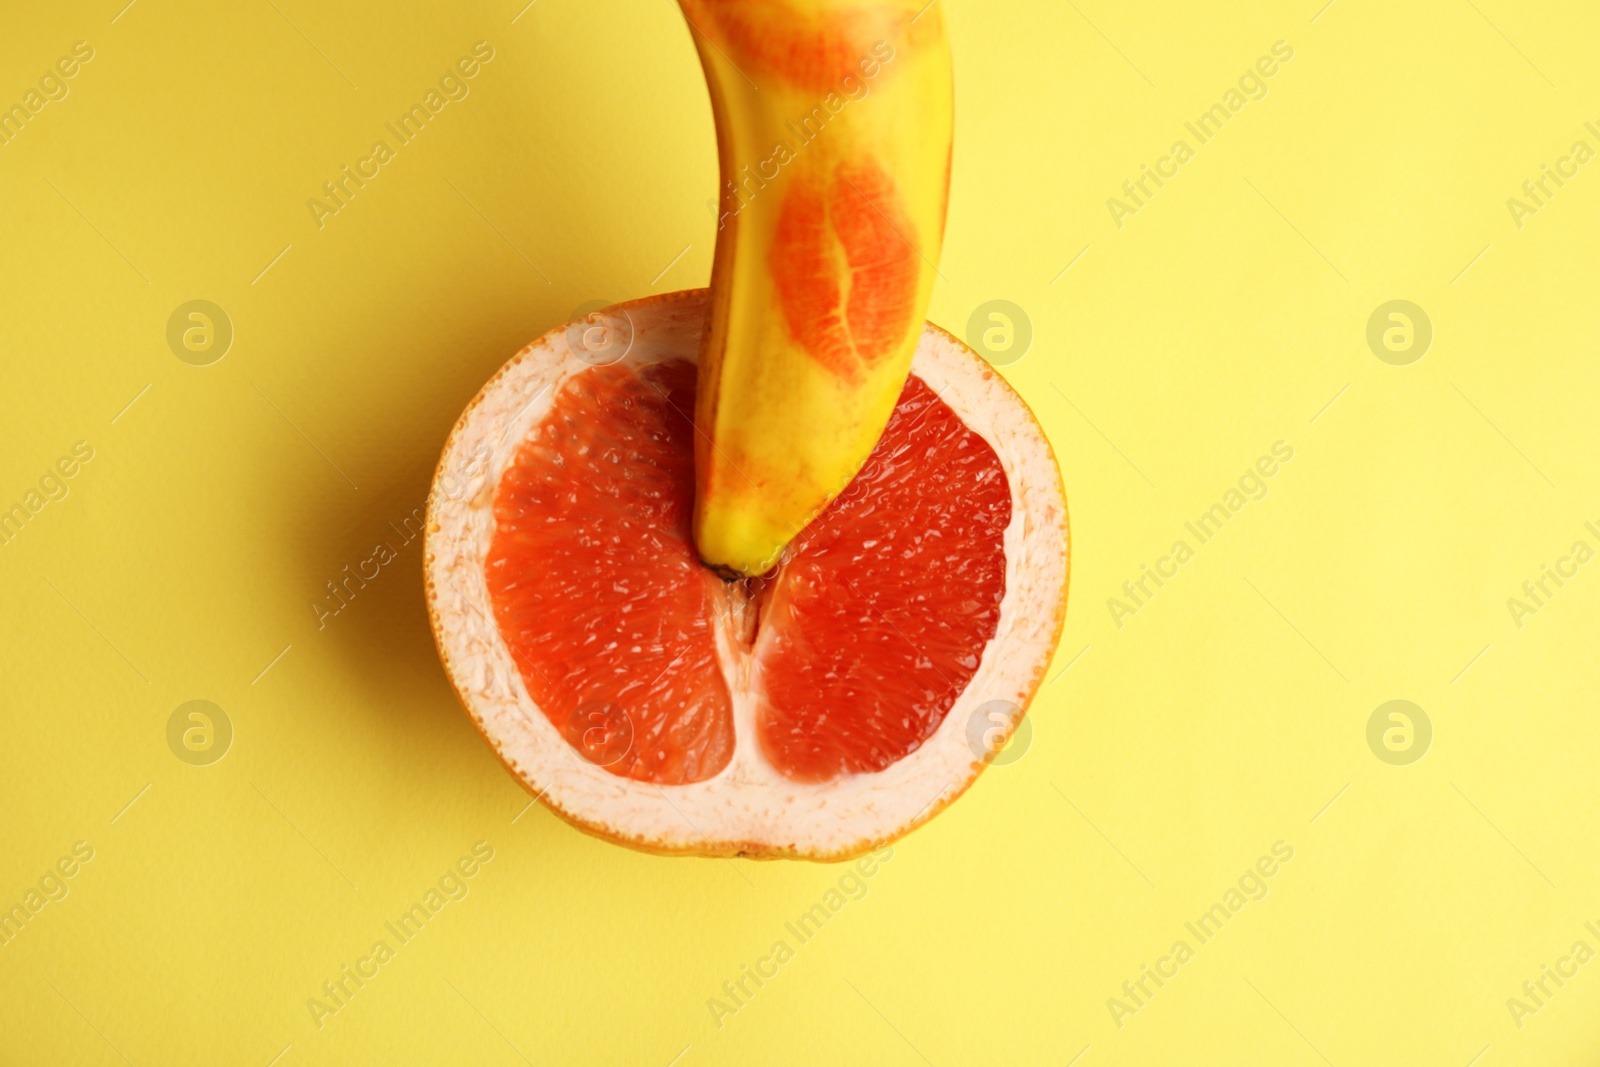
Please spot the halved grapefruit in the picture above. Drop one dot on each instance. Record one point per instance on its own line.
(818, 711)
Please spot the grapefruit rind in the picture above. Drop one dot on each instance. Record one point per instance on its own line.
(749, 808)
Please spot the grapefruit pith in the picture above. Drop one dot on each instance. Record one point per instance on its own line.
(817, 711)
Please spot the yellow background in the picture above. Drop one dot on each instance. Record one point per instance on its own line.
(1228, 314)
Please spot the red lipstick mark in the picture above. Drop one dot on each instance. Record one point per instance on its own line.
(814, 53)
(845, 267)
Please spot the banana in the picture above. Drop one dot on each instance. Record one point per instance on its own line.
(834, 121)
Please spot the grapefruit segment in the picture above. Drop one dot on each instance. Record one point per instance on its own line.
(818, 712)
(596, 588)
(881, 613)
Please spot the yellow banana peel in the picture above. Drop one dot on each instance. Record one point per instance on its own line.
(834, 122)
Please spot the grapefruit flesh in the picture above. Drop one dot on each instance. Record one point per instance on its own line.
(596, 586)
(880, 616)
(856, 646)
